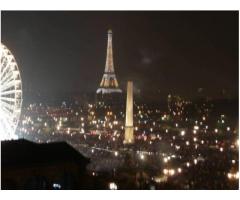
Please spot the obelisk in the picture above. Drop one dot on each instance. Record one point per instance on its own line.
(129, 138)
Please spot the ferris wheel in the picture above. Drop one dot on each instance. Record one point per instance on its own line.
(10, 95)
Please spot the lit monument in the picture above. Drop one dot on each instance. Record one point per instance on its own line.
(109, 83)
(129, 138)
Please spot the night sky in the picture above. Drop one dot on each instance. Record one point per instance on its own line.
(162, 52)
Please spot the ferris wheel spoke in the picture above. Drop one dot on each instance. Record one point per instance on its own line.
(7, 105)
(8, 63)
(10, 84)
(8, 99)
(7, 77)
(10, 94)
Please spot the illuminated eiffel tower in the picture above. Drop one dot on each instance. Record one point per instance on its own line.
(109, 83)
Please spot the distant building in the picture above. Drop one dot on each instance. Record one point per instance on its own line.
(176, 106)
(28, 165)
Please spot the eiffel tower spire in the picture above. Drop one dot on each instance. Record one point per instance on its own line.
(109, 68)
(109, 83)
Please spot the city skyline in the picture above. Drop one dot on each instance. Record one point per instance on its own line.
(163, 114)
(60, 51)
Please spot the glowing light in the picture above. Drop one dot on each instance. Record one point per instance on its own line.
(228, 128)
(221, 149)
(237, 175)
(229, 175)
(165, 171)
(179, 170)
(142, 157)
(233, 175)
(165, 159)
(196, 127)
(171, 172)
(113, 186)
(216, 130)
(56, 186)
(195, 161)
(116, 153)
(177, 147)
(160, 179)
(182, 133)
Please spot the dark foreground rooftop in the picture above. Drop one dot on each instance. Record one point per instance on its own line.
(28, 165)
(23, 152)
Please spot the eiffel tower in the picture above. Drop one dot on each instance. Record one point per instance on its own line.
(109, 83)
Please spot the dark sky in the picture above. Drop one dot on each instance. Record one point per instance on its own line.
(168, 52)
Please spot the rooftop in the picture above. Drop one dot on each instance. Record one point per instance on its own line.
(25, 153)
